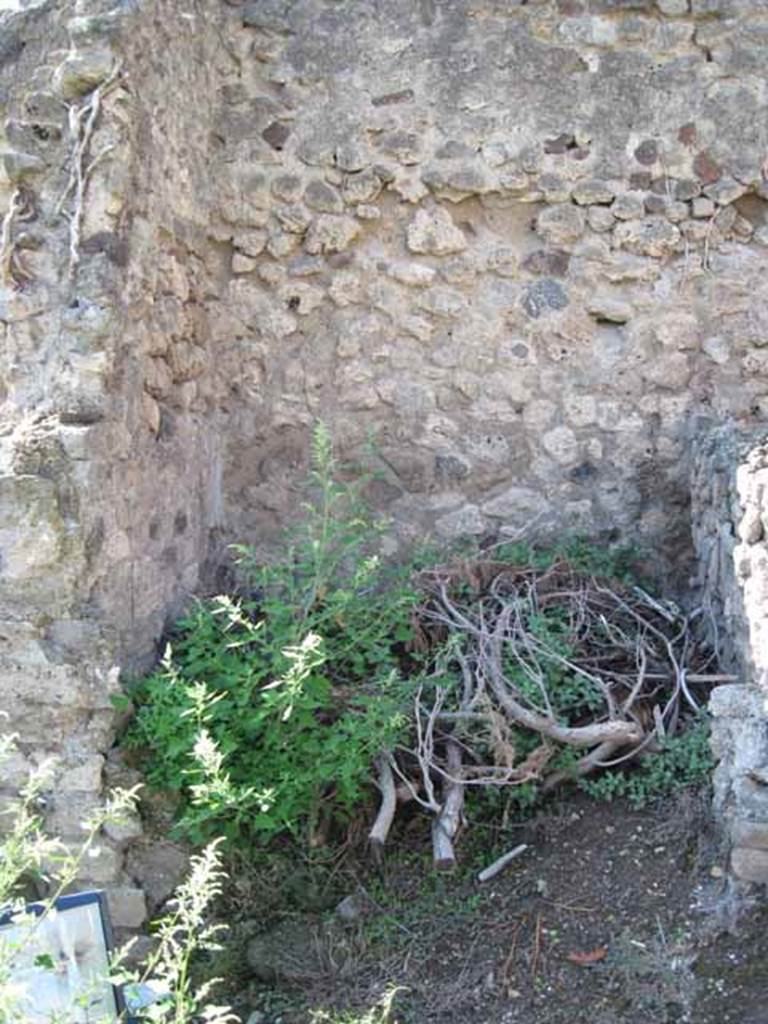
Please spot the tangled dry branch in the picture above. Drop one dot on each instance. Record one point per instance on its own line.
(544, 676)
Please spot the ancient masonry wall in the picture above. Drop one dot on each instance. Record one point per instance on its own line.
(519, 246)
(730, 530)
(107, 502)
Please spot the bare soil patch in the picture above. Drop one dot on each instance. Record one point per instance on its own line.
(612, 916)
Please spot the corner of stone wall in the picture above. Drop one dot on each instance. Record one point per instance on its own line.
(57, 320)
(730, 532)
(107, 464)
(740, 743)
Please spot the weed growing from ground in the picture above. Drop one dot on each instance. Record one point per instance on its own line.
(683, 761)
(268, 708)
(267, 711)
(165, 987)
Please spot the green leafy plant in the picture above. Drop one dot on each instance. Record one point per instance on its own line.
(27, 853)
(165, 988)
(613, 561)
(267, 710)
(684, 760)
(183, 935)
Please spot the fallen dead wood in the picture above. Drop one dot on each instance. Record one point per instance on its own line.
(542, 676)
(501, 862)
(377, 836)
(447, 823)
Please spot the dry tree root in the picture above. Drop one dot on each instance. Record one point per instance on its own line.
(12, 270)
(82, 122)
(541, 675)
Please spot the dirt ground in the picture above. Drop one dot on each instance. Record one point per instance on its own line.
(611, 916)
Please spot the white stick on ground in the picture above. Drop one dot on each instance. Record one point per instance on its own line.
(498, 865)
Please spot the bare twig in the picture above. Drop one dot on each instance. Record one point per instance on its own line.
(411, 789)
(425, 747)
(381, 826)
(501, 862)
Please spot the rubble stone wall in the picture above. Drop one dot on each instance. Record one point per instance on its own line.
(730, 529)
(519, 246)
(108, 503)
